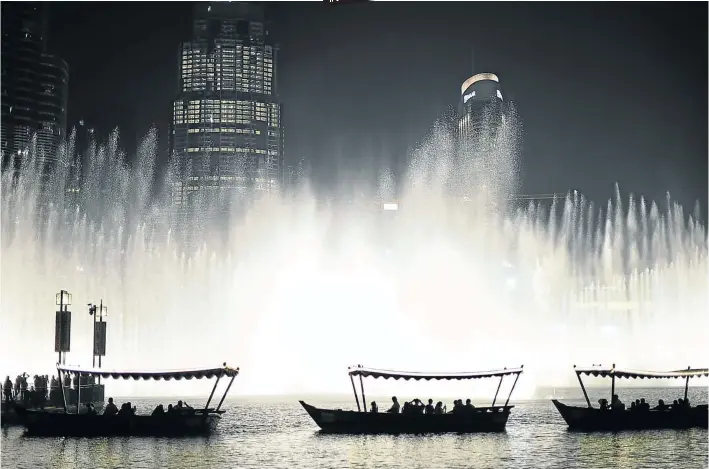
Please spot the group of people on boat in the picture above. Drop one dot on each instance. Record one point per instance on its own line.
(179, 409)
(127, 409)
(22, 391)
(418, 407)
(45, 389)
(639, 405)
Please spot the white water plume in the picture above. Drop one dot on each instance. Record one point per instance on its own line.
(294, 291)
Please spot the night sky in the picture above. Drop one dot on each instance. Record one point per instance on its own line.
(608, 92)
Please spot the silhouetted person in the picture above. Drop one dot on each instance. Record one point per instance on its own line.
(644, 406)
(439, 408)
(395, 407)
(469, 407)
(660, 405)
(18, 382)
(170, 410)
(675, 405)
(457, 406)
(374, 408)
(616, 403)
(417, 406)
(429, 407)
(633, 406)
(7, 389)
(90, 409)
(110, 408)
(159, 410)
(603, 404)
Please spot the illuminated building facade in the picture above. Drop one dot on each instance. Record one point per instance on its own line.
(35, 86)
(227, 131)
(482, 108)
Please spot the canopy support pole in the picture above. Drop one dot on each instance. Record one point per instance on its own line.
(686, 385)
(612, 383)
(364, 400)
(225, 393)
(583, 388)
(359, 409)
(498, 390)
(61, 387)
(78, 395)
(513, 388)
(212, 394)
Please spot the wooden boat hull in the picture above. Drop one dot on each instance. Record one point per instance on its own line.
(43, 423)
(9, 417)
(593, 419)
(347, 421)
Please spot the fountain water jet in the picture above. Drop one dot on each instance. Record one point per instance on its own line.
(297, 286)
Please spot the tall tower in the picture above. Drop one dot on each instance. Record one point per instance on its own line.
(487, 158)
(227, 134)
(481, 109)
(35, 86)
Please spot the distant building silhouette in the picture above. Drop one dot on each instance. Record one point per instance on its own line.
(34, 86)
(481, 108)
(227, 133)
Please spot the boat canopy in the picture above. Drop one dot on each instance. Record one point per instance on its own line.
(156, 375)
(634, 374)
(386, 374)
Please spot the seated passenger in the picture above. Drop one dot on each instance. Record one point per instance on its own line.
(469, 407)
(603, 404)
(429, 407)
(394, 409)
(417, 406)
(406, 409)
(616, 403)
(90, 409)
(159, 410)
(439, 408)
(457, 406)
(187, 408)
(111, 408)
(644, 406)
(374, 408)
(171, 410)
(675, 404)
(660, 405)
(124, 410)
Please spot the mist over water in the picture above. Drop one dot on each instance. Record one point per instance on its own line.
(294, 290)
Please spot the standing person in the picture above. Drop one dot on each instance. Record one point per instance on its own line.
(7, 389)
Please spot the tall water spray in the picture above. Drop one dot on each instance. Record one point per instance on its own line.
(294, 291)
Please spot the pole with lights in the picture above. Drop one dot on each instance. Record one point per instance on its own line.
(62, 330)
(99, 313)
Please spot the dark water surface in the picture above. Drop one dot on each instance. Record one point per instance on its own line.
(270, 433)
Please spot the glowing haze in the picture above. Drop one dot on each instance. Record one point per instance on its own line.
(295, 291)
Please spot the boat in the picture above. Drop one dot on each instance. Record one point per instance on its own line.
(482, 419)
(186, 422)
(591, 418)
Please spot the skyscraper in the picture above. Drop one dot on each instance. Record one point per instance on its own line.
(481, 108)
(487, 144)
(35, 85)
(227, 134)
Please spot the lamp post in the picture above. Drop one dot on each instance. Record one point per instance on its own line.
(62, 331)
(99, 347)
